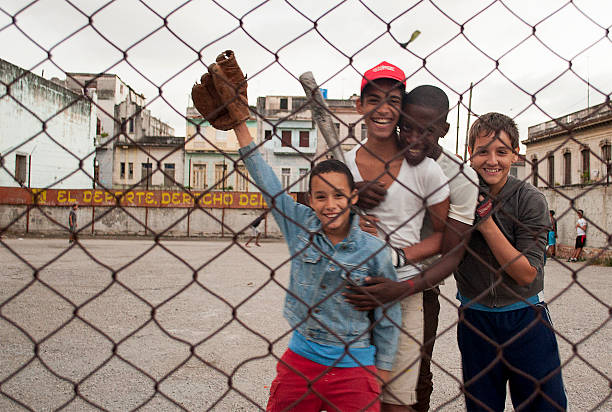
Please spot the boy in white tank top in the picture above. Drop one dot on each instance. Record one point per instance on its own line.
(414, 184)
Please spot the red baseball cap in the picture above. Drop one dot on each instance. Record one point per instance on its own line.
(383, 70)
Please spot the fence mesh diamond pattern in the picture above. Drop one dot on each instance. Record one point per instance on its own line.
(150, 321)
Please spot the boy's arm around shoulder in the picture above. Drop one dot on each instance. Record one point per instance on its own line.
(436, 191)
(463, 186)
(388, 318)
(286, 211)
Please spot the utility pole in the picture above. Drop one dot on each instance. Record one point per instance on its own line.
(457, 142)
(467, 126)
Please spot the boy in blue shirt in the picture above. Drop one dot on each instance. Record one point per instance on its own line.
(331, 347)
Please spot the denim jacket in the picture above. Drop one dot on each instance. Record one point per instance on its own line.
(320, 271)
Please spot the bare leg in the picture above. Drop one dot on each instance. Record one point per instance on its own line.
(578, 253)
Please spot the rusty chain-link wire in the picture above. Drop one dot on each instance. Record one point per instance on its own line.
(36, 372)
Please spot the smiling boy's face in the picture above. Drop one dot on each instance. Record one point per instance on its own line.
(381, 105)
(492, 158)
(331, 198)
(420, 129)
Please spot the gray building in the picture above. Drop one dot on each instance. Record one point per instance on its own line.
(122, 121)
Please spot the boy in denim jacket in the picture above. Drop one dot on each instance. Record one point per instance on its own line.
(334, 347)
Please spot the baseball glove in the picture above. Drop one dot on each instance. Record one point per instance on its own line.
(221, 97)
(484, 208)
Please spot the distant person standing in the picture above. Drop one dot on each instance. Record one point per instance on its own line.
(72, 223)
(581, 227)
(255, 233)
(552, 235)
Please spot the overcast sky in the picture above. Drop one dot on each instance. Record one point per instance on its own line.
(278, 41)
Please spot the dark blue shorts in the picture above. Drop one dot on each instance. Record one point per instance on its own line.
(529, 355)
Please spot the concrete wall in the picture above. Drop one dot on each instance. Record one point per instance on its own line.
(596, 201)
(108, 221)
(69, 120)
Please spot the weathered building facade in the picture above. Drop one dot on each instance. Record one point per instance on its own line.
(285, 125)
(571, 150)
(568, 158)
(122, 121)
(205, 166)
(151, 162)
(47, 132)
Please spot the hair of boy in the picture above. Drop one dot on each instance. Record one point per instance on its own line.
(328, 166)
(581, 211)
(552, 212)
(494, 123)
(429, 96)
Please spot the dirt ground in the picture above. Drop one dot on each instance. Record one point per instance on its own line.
(197, 325)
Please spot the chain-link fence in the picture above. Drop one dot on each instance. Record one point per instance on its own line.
(150, 324)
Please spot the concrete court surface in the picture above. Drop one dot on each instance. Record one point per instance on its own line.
(114, 302)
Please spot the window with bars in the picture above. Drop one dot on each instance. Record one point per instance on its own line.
(147, 174)
(585, 154)
(242, 183)
(567, 168)
(534, 171)
(551, 170)
(286, 177)
(606, 156)
(221, 176)
(169, 174)
(303, 185)
(198, 179)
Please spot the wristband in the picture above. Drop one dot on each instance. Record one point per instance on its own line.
(410, 283)
(398, 257)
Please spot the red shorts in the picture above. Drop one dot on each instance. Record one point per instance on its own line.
(332, 389)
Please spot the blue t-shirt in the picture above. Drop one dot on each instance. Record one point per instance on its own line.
(514, 306)
(329, 355)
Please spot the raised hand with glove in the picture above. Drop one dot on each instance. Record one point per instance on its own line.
(221, 97)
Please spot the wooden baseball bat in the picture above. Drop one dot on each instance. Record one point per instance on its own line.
(320, 113)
